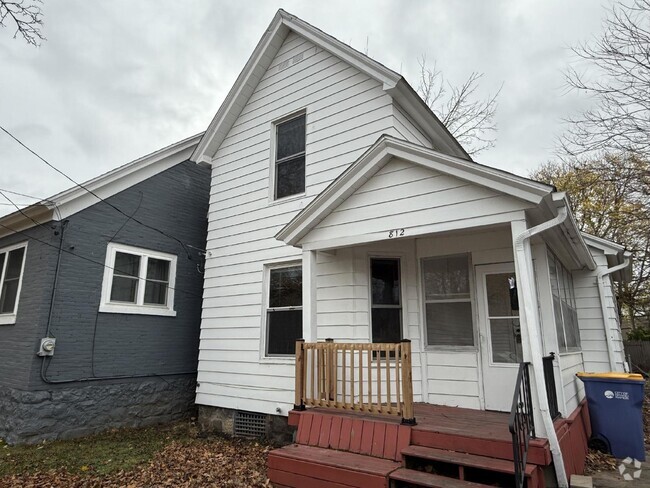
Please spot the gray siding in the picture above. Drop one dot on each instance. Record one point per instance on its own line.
(91, 344)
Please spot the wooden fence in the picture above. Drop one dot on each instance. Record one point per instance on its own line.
(367, 377)
(638, 352)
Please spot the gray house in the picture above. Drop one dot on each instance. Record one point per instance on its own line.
(100, 300)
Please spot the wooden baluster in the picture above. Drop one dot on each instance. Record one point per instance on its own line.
(378, 368)
(398, 365)
(361, 379)
(299, 402)
(313, 376)
(352, 376)
(329, 361)
(407, 383)
(369, 379)
(387, 358)
(344, 379)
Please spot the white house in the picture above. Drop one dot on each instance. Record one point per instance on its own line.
(342, 208)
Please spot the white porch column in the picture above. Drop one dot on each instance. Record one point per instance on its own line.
(309, 296)
(527, 307)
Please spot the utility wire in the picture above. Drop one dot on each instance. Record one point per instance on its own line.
(67, 251)
(24, 195)
(94, 194)
(21, 211)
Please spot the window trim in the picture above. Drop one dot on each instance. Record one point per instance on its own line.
(402, 298)
(266, 295)
(139, 308)
(471, 275)
(273, 166)
(10, 318)
(552, 257)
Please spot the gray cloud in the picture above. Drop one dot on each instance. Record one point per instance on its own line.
(118, 79)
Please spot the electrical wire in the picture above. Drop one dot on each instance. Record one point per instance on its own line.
(67, 251)
(22, 212)
(94, 194)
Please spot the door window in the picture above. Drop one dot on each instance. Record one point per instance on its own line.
(386, 300)
(503, 317)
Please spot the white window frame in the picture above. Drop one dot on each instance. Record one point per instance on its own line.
(10, 318)
(560, 268)
(266, 296)
(470, 300)
(139, 307)
(272, 168)
(402, 297)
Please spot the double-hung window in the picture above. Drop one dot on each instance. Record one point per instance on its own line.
(448, 306)
(138, 281)
(12, 263)
(564, 306)
(283, 310)
(289, 157)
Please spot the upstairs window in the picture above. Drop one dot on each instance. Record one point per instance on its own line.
(290, 157)
(12, 263)
(138, 281)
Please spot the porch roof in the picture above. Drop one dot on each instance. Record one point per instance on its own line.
(527, 192)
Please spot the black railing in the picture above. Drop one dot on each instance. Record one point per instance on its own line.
(522, 425)
(549, 381)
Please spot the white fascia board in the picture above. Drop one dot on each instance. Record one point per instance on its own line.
(388, 147)
(75, 199)
(243, 87)
(436, 131)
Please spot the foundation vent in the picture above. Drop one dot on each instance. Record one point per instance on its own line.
(249, 424)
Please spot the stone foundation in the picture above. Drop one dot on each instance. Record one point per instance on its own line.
(81, 409)
(222, 421)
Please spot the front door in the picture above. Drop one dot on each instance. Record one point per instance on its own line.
(500, 333)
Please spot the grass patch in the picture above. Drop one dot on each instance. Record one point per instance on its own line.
(101, 454)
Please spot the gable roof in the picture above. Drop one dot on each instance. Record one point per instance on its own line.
(378, 155)
(75, 199)
(615, 254)
(283, 22)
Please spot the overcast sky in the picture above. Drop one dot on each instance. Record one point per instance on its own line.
(118, 79)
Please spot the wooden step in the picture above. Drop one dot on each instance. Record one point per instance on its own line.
(538, 450)
(464, 459)
(409, 477)
(298, 466)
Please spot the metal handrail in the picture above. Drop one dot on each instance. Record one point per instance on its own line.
(549, 382)
(521, 423)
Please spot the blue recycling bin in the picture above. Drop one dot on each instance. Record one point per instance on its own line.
(615, 403)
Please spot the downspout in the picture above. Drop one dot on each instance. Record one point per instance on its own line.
(527, 286)
(603, 306)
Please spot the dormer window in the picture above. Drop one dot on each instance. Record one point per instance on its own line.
(290, 157)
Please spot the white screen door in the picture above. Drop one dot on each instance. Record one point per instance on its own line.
(500, 333)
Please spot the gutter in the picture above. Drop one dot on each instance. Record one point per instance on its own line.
(524, 259)
(601, 291)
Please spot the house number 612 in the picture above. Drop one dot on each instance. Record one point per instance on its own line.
(395, 233)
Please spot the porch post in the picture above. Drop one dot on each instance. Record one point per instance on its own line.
(309, 296)
(526, 281)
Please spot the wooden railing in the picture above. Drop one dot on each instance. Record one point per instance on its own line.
(368, 377)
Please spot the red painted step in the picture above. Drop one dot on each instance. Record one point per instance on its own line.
(299, 466)
(464, 459)
(412, 478)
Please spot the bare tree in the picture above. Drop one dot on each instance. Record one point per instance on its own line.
(27, 17)
(618, 78)
(468, 118)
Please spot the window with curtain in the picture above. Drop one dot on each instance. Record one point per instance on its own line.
(448, 307)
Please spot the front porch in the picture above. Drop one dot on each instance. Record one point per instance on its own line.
(448, 447)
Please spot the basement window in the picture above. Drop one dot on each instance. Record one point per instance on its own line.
(138, 281)
(12, 264)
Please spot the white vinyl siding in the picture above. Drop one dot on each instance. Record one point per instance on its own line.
(403, 195)
(346, 113)
(570, 364)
